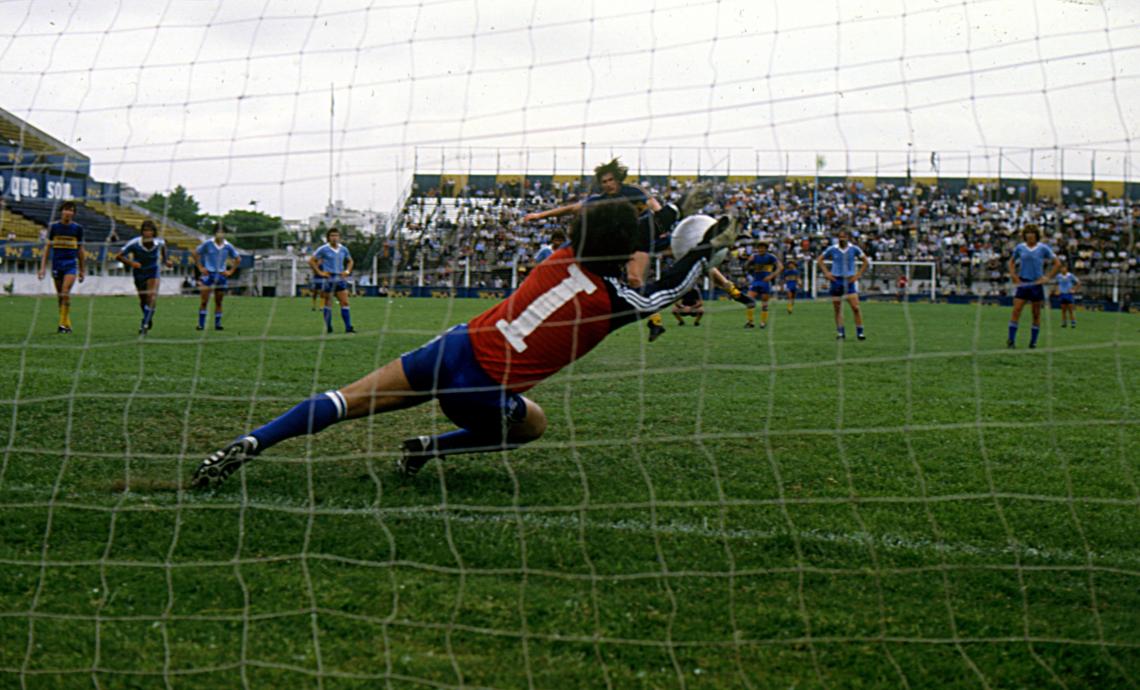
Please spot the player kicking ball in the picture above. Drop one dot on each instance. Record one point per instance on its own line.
(478, 371)
(844, 279)
(332, 263)
(146, 255)
(1028, 264)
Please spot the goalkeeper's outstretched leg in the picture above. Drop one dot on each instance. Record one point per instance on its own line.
(479, 370)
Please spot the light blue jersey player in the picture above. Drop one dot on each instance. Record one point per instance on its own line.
(762, 267)
(1067, 284)
(217, 260)
(146, 255)
(847, 265)
(1027, 266)
(332, 263)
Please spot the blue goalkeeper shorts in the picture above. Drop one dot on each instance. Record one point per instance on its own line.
(445, 369)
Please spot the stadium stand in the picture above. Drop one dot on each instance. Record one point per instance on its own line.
(175, 234)
(16, 227)
(97, 227)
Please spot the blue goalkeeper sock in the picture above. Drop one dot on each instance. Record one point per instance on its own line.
(465, 441)
(328, 318)
(347, 318)
(1033, 335)
(201, 318)
(308, 417)
(217, 319)
(1012, 331)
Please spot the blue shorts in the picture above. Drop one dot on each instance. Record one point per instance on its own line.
(760, 287)
(1066, 298)
(331, 284)
(790, 288)
(841, 287)
(141, 277)
(217, 281)
(64, 268)
(1030, 293)
(445, 369)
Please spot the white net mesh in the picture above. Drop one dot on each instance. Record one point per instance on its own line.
(722, 507)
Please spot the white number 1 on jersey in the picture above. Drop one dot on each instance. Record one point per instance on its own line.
(543, 306)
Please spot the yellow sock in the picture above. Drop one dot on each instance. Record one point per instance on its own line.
(763, 316)
(655, 320)
(789, 307)
(733, 292)
(749, 313)
(65, 315)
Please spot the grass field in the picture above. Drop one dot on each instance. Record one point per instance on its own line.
(724, 508)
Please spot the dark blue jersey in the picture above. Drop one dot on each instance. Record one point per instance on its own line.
(148, 257)
(635, 195)
(65, 241)
(761, 266)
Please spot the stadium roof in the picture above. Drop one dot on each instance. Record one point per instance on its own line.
(14, 129)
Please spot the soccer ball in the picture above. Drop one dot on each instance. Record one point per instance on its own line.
(689, 233)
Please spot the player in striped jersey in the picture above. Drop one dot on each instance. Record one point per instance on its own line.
(1027, 266)
(844, 278)
(762, 266)
(1067, 284)
(217, 260)
(478, 371)
(65, 248)
(332, 263)
(791, 278)
(146, 255)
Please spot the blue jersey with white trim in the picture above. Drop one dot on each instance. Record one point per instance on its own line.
(1066, 282)
(843, 261)
(148, 257)
(214, 257)
(1031, 261)
(332, 260)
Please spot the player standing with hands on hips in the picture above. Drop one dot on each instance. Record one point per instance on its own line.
(332, 263)
(844, 280)
(217, 260)
(1027, 267)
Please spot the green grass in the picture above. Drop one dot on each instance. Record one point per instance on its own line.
(703, 512)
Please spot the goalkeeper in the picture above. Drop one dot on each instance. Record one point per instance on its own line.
(479, 370)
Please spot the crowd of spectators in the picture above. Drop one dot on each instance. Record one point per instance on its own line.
(968, 234)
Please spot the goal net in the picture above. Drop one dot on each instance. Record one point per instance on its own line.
(744, 500)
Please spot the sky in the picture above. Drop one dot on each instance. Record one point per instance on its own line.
(232, 99)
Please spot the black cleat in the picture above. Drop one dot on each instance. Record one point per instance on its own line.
(221, 464)
(655, 331)
(841, 336)
(350, 330)
(142, 331)
(218, 327)
(414, 454)
(763, 325)
(861, 337)
(1063, 325)
(696, 323)
(199, 328)
(63, 329)
(749, 325)
(1009, 344)
(1032, 346)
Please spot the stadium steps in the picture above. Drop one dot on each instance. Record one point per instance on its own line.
(96, 226)
(26, 230)
(174, 236)
(30, 142)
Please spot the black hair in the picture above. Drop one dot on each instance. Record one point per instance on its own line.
(331, 231)
(614, 168)
(603, 236)
(67, 205)
(1031, 228)
(148, 223)
(557, 237)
